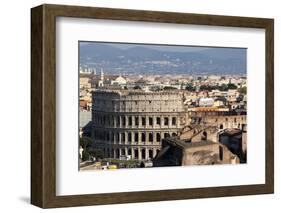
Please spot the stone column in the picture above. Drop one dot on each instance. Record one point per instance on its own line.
(178, 120)
(133, 153)
(120, 121)
(113, 121)
(139, 135)
(139, 151)
(146, 153)
(120, 152)
(133, 137)
(154, 152)
(146, 121)
(170, 121)
(126, 151)
(146, 137)
(139, 121)
(161, 121)
(120, 138)
(154, 137)
(126, 121)
(133, 121)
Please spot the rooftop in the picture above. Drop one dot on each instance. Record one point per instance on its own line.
(184, 144)
(134, 91)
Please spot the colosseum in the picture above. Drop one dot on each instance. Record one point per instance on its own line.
(133, 123)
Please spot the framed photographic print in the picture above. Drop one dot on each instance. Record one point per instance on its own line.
(136, 106)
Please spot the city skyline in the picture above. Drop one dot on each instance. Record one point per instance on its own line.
(129, 59)
(170, 114)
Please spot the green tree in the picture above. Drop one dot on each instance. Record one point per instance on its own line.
(85, 142)
(231, 86)
(223, 87)
(205, 87)
(88, 150)
(169, 88)
(95, 153)
(85, 155)
(243, 90)
(190, 88)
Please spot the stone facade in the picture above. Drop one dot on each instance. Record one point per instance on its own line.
(176, 152)
(223, 120)
(133, 123)
(208, 153)
(194, 133)
(236, 141)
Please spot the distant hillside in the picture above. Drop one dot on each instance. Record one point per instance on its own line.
(140, 59)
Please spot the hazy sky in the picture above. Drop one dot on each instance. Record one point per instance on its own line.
(172, 48)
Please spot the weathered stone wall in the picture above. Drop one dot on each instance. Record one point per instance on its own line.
(199, 133)
(134, 123)
(224, 121)
(208, 155)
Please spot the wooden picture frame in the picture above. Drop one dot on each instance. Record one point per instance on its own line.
(43, 105)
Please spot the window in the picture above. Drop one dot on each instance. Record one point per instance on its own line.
(136, 121)
(136, 153)
(130, 137)
(150, 153)
(143, 121)
(174, 121)
(166, 135)
(123, 137)
(124, 121)
(166, 121)
(136, 137)
(118, 120)
(150, 136)
(143, 137)
(114, 137)
(150, 121)
(158, 137)
(130, 121)
(112, 121)
(143, 154)
(221, 153)
(204, 136)
(158, 121)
